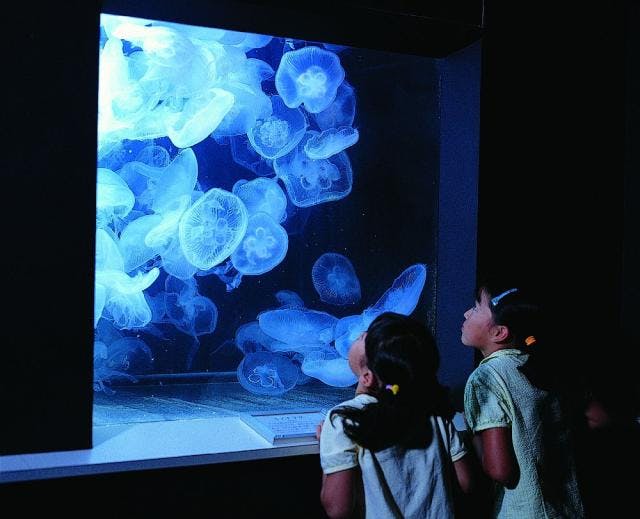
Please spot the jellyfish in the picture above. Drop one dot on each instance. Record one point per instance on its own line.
(200, 116)
(335, 279)
(328, 367)
(263, 247)
(289, 299)
(266, 373)
(194, 315)
(250, 338)
(262, 195)
(330, 142)
(212, 228)
(176, 180)
(348, 330)
(311, 182)
(245, 155)
(113, 197)
(309, 76)
(279, 133)
(403, 296)
(250, 105)
(341, 112)
(132, 245)
(298, 326)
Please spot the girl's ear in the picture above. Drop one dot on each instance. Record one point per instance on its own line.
(500, 333)
(368, 379)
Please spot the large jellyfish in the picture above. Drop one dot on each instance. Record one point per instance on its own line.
(335, 279)
(279, 133)
(212, 228)
(266, 373)
(263, 247)
(309, 76)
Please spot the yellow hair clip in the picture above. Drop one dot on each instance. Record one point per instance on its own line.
(394, 388)
(530, 340)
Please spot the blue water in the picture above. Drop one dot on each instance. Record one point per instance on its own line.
(259, 201)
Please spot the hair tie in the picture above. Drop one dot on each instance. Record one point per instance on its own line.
(394, 388)
(530, 340)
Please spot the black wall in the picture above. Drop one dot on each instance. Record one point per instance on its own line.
(551, 206)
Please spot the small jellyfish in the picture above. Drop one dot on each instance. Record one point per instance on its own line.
(113, 197)
(250, 338)
(263, 195)
(289, 299)
(335, 279)
(250, 105)
(347, 330)
(341, 112)
(330, 142)
(200, 116)
(266, 373)
(403, 296)
(309, 76)
(328, 367)
(298, 326)
(311, 182)
(279, 133)
(212, 228)
(263, 247)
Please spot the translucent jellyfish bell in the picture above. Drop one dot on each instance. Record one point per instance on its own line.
(279, 133)
(330, 142)
(263, 195)
(298, 326)
(212, 228)
(311, 182)
(250, 338)
(327, 366)
(266, 373)
(335, 279)
(263, 247)
(348, 330)
(113, 196)
(403, 296)
(341, 112)
(309, 76)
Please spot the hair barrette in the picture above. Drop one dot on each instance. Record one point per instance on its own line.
(394, 388)
(496, 300)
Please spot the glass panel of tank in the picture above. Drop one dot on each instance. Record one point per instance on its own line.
(259, 201)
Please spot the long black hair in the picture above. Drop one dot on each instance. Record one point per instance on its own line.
(399, 351)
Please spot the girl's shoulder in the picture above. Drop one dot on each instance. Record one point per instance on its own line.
(356, 402)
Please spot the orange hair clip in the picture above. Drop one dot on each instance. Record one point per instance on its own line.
(530, 340)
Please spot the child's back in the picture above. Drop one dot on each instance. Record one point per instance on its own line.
(395, 438)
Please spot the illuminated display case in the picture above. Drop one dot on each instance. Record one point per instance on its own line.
(264, 188)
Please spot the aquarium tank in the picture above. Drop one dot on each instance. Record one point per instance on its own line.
(259, 201)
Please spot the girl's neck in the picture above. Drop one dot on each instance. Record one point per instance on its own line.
(492, 348)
